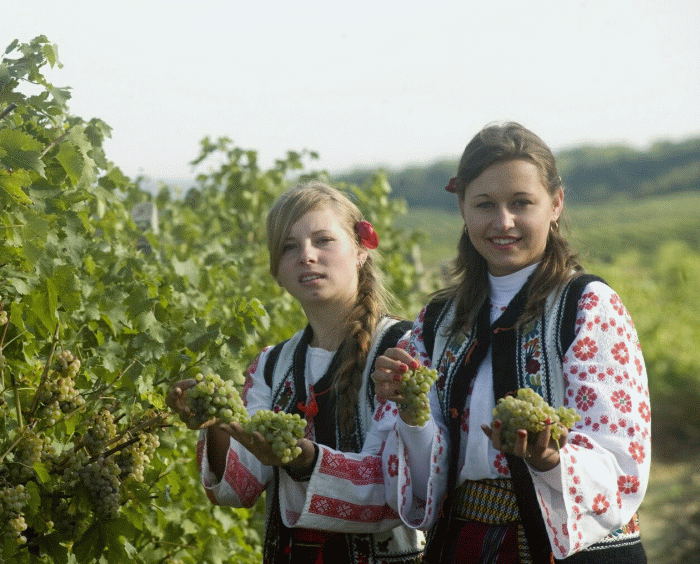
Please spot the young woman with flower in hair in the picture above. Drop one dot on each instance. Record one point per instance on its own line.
(328, 503)
(520, 314)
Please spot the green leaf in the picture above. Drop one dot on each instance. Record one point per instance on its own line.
(34, 495)
(20, 151)
(72, 161)
(12, 184)
(41, 472)
(92, 542)
(43, 304)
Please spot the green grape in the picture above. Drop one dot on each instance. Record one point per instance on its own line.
(281, 431)
(527, 410)
(214, 398)
(415, 385)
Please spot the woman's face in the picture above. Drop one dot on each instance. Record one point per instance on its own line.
(508, 212)
(319, 261)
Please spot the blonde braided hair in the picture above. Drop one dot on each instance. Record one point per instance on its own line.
(371, 300)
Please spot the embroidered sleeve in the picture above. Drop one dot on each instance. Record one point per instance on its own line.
(604, 467)
(346, 491)
(415, 459)
(245, 478)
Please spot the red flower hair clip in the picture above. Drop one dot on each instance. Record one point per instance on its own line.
(367, 234)
(452, 185)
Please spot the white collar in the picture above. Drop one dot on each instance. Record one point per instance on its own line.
(504, 288)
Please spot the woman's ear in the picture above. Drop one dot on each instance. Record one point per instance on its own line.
(558, 204)
(362, 255)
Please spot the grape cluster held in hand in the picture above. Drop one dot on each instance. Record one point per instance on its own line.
(529, 411)
(281, 431)
(415, 385)
(213, 398)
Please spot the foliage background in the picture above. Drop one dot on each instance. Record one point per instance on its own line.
(146, 299)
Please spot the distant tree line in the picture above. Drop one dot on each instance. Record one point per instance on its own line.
(590, 173)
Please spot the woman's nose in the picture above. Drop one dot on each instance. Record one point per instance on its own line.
(503, 218)
(307, 253)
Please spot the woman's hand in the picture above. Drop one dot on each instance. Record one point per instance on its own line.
(387, 375)
(175, 400)
(388, 370)
(542, 453)
(256, 444)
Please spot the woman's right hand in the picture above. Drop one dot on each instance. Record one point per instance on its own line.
(175, 400)
(388, 370)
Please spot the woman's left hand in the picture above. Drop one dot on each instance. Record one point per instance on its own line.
(542, 453)
(261, 449)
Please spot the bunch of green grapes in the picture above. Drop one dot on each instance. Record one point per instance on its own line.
(29, 449)
(12, 500)
(101, 479)
(134, 459)
(214, 398)
(73, 462)
(101, 431)
(281, 431)
(60, 395)
(527, 410)
(415, 385)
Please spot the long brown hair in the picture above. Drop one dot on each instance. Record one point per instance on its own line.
(494, 144)
(371, 300)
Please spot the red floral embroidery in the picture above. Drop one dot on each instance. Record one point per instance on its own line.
(585, 398)
(637, 451)
(585, 349)
(588, 301)
(582, 441)
(644, 411)
(532, 366)
(617, 304)
(600, 504)
(393, 466)
(620, 352)
(501, 465)
(622, 401)
(628, 484)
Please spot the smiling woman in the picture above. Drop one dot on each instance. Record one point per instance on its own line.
(521, 314)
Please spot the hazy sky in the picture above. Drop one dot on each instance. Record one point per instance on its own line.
(367, 83)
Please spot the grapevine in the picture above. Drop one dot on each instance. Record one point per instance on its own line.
(527, 410)
(415, 385)
(281, 430)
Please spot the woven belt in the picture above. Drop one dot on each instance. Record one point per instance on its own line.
(486, 501)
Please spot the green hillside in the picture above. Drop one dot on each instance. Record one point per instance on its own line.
(591, 173)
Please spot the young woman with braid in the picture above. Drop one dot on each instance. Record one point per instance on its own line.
(520, 314)
(328, 504)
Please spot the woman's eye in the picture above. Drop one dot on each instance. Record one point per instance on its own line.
(287, 247)
(483, 205)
